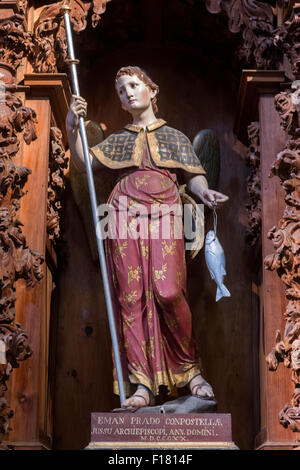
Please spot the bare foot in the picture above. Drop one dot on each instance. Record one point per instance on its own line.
(139, 399)
(200, 388)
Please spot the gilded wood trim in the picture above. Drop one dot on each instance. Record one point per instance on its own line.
(155, 125)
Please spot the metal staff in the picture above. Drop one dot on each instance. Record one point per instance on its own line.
(65, 9)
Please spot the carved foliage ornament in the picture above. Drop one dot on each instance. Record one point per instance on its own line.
(17, 260)
(254, 184)
(287, 38)
(286, 260)
(272, 33)
(49, 32)
(46, 46)
(15, 42)
(269, 31)
(56, 184)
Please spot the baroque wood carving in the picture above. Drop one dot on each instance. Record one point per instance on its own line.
(271, 34)
(270, 30)
(46, 48)
(56, 184)
(17, 260)
(286, 260)
(255, 20)
(49, 32)
(254, 185)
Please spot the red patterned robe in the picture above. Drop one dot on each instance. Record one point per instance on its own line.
(153, 319)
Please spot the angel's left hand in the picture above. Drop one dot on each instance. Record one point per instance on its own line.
(213, 199)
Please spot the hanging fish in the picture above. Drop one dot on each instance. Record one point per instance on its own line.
(215, 261)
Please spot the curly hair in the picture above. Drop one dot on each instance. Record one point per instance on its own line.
(141, 74)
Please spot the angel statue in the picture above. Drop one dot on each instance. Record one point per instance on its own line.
(148, 274)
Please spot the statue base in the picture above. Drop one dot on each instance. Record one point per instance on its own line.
(183, 405)
(176, 431)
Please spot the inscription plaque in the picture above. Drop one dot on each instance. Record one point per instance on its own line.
(134, 430)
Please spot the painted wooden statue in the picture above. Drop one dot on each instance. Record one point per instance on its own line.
(148, 275)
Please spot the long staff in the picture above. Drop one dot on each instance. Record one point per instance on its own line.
(65, 9)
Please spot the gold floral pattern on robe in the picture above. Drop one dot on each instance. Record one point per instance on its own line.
(152, 314)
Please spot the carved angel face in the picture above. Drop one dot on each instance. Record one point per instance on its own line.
(134, 94)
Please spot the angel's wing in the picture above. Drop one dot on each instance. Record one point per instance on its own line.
(79, 185)
(207, 148)
(94, 133)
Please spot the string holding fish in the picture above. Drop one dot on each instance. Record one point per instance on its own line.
(215, 259)
(215, 220)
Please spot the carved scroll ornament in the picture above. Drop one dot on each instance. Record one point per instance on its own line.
(15, 41)
(56, 184)
(286, 260)
(17, 260)
(49, 32)
(287, 38)
(269, 31)
(45, 47)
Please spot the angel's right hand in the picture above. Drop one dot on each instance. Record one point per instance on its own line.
(78, 107)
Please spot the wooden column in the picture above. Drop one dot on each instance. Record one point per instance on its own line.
(256, 103)
(31, 302)
(276, 388)
(48, 95)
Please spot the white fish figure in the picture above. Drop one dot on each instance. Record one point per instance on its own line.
(215, 260)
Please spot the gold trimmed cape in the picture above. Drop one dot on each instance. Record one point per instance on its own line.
(169, 148)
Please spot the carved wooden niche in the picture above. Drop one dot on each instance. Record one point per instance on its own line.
(17, 260)
(43, 46)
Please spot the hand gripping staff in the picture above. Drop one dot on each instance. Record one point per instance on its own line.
(65, 9)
